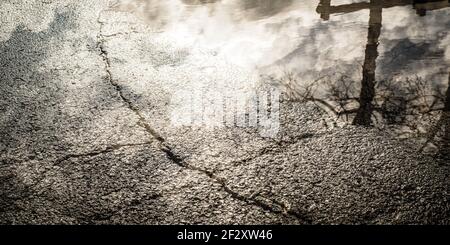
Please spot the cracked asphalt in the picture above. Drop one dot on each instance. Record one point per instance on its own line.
(86, 138)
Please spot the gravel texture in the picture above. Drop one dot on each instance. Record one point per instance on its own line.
(85, 138)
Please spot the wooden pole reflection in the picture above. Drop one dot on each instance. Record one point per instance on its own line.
(367, 94)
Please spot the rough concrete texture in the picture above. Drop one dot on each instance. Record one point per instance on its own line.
(86, 138)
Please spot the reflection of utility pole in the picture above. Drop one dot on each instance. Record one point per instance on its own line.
(324, 9)
(422, 7)
(367, 94)
(364, 113)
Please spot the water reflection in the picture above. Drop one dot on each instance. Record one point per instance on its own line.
(373, 62)
(263, 8)
(367, 94)
(421, 6)
(417, 90)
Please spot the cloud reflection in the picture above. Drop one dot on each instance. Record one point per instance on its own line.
(271, 35)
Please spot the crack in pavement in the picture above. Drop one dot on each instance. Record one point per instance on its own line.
(58, 162)
(121, 33)
(29, 193)
(168, 150)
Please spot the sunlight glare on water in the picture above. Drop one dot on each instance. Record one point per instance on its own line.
(278, 35)
(234, 46)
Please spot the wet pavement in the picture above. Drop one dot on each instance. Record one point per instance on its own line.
(154, 112)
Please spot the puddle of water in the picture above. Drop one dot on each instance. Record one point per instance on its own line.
(361, 57)
(311, 38)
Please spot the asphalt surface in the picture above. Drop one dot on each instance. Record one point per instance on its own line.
(86, 138)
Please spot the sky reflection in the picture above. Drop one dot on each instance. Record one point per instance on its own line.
(275, 36)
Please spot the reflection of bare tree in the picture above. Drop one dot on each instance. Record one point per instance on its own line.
(367, 94)
(415, 97)
(333, 96)
(412, 107)
(442, 126)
